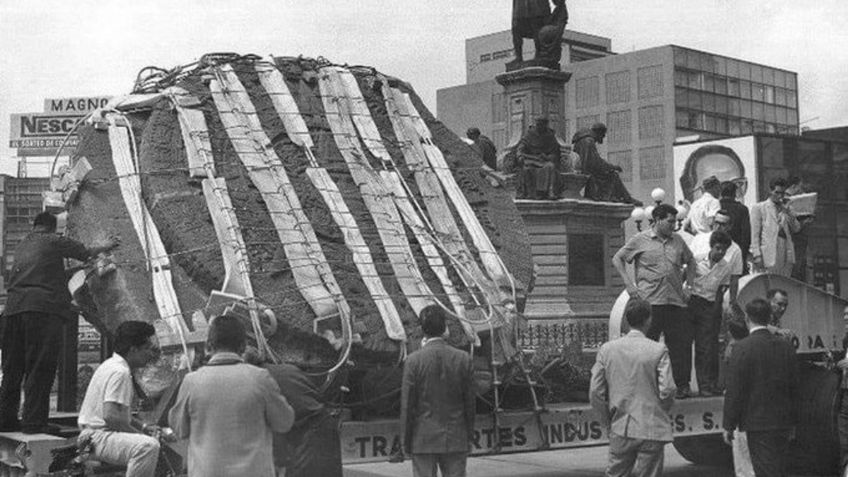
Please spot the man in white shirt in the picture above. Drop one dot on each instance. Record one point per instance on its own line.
(704, 209)
(105, 413)
(712, 273)
(700, 244)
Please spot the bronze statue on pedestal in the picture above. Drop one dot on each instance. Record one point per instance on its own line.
(533, 19)
(539, 164)
(604, 182)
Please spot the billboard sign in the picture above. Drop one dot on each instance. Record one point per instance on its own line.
(43, 131)
(75, 105)
(41, 134)
(731, 159)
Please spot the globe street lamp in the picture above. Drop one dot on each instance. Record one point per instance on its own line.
(658, 195)
(640, 214)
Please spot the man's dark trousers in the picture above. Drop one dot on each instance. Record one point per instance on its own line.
(31, 348)
(677, 326)
(768, 452)
(707, 320)
(313, 447)
(842, 427)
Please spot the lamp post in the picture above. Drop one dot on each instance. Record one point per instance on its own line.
(658, 195)
(682, 212)
(640, 214)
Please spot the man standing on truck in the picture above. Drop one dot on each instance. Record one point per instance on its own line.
(632, 388)
(437, 402)
(712, 274)
(703, 210)
(37, 306)
(740, 220)
(700, 244)
(772, 226)
(762, 393)
(658, 256)
(105, 418)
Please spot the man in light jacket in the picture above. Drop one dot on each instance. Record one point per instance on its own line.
(228, 410)
(633, 389)
(772, 226)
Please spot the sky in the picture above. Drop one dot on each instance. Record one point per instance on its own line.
(61, 48)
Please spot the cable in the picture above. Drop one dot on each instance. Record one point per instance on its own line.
(161, 76)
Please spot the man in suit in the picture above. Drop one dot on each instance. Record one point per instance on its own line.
(633, 389)
(762, 392)
(437, 402)
(772, 226)
(228, 410)
(311, 447)
(740, 219)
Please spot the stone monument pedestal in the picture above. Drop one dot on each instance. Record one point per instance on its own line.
(530, 93)
(576, 284)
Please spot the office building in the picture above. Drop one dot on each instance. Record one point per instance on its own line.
(647, 98)
(21, 199)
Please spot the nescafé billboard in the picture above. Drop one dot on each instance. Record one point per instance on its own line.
(42, 134)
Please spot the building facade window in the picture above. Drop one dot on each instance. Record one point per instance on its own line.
(651, 122)
(623, 159)
(650, 81)
(727, 96)
(498, 108)
(618, 127)
(617, 87)
(652, 163)
(587, 92)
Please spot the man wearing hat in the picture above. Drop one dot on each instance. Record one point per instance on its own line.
(704, 209)
(719, 265)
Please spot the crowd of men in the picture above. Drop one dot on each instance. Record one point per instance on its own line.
(676, 291)
(241, 416)
(238, 414)
(685, 284)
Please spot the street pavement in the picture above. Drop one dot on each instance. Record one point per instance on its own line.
(581, 462)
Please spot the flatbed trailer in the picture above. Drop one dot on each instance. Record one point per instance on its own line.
(560, 426)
